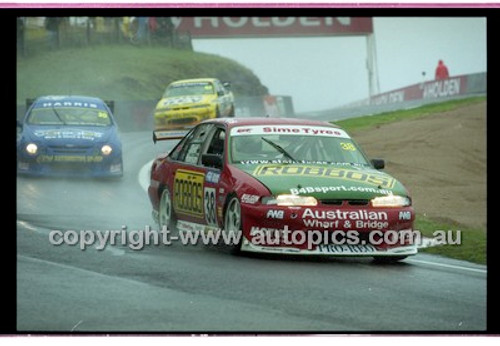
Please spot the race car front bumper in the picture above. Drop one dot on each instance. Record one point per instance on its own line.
(182, 118)
(70, 166)
(361, 250)
(325, 230)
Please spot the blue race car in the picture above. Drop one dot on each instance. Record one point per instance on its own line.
(69, 136)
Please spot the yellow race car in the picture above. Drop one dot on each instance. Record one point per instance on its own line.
(187, 102)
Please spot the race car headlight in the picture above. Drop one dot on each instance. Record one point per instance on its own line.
(106, 150)
(32, 148)
(391, 201)
(290, 200)
(200, 106)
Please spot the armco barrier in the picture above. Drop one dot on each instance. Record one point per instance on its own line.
(408, 97)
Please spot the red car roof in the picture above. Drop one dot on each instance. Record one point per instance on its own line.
(232, 122)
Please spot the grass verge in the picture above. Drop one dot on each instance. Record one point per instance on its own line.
(369, 121)
(124, 72)
(471, 242)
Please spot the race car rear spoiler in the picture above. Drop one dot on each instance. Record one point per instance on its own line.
(164, 135)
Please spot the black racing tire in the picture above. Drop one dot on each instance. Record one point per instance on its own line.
(388, 259)
(166, 215)
(233, 222)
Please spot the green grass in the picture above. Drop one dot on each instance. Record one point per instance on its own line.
(472, 245)
(125, 72)
(370, 121)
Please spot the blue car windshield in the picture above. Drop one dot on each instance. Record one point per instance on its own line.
(80, 116)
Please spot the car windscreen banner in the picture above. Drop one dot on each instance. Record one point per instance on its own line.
(299, 130)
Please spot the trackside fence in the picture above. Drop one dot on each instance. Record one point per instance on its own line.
(415, 95)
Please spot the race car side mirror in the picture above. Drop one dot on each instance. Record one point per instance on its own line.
(212, 160)
(378, 163)
(19, 131)
(111, 105)
(29, 102)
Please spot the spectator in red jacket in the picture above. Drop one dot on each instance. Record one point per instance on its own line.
(441, 71)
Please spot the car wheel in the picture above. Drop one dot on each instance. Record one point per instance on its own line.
(388, 259)
(166, 216)
(232, 223)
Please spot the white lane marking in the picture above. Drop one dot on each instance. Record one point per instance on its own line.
(27, 225)
(143, 176)
(114, 250)
(76, 325)
(430, 242)
(66, 266)
(477, 270)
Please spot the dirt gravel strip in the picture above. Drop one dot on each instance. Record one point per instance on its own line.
(440, 158)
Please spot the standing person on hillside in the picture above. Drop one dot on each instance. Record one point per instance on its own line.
(442, 71)
(165, 30)
(142, 29)
(52, 26)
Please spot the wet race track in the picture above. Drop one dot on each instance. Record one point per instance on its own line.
(204, 289)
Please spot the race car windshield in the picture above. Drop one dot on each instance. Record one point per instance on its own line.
(314, 149)
(69, 116)
(189, 89)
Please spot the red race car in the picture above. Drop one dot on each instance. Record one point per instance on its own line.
(281, 186)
